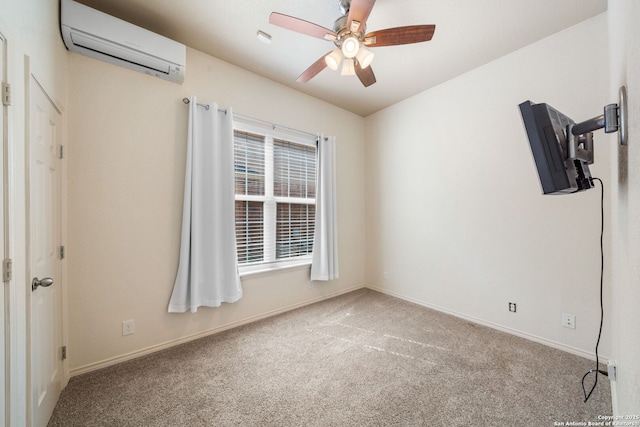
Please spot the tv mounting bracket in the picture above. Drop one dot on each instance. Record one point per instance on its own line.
(614, 119)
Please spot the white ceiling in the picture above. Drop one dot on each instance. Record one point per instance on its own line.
(469, 33)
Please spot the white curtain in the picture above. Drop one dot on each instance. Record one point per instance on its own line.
(208, 268)
(324, 264)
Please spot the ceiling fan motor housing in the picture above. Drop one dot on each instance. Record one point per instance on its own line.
(340, 25)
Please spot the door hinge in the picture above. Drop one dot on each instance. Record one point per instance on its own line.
(61, 153)
(61, 252)
(63, 352)
(6, 94)
(7, 270)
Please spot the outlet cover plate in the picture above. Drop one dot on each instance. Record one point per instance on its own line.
(128, 327)
(569, 320)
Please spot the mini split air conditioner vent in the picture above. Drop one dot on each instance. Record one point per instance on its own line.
(104, 37)
(119, 53)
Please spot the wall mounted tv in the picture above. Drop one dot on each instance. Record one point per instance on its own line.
(559, 172)
(562, 149)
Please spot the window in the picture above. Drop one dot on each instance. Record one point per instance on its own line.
(275, 185)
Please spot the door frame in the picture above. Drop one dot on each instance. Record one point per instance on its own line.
(4, 224)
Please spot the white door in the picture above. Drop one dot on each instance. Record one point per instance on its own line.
(44, 248)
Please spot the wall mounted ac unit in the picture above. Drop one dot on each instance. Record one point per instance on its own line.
(100, 36)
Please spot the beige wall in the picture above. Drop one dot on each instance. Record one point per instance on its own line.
(34, 31)
(625, 178)
(455, 214)
(126, 171)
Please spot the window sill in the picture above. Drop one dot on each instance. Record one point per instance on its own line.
(252, 272)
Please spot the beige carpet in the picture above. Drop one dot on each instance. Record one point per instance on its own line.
(360, 359)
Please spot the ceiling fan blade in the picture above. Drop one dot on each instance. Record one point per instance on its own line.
(400, 35)
(359, 11)
(313, 70)
(365, 75)
(300, 26)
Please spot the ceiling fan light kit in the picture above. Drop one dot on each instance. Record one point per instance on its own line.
(333, 59)
(350, 46)
(364, 57)
(349, 36)
(348, 67)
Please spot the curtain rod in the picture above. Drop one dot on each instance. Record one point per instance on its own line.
(206, 106)
(246, 118)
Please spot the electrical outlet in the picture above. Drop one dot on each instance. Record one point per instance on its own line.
(568, 320)
(385, 275)
(611, 370)
(128, 327)
(512, 307)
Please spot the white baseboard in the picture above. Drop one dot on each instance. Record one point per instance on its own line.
(521, 334)
(154, 348)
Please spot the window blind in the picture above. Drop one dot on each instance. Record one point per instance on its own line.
(275, 185)
(249, 164)
(250, 231)
(294, 232)
(249, 169)
(294, 170)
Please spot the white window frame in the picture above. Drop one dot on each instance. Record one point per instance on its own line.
(270, 201)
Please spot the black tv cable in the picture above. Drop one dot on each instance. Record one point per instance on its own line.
(597, 370)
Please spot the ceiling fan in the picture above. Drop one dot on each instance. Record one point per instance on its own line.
(351, 39)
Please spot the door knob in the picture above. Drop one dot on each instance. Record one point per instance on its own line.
(45, 283)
